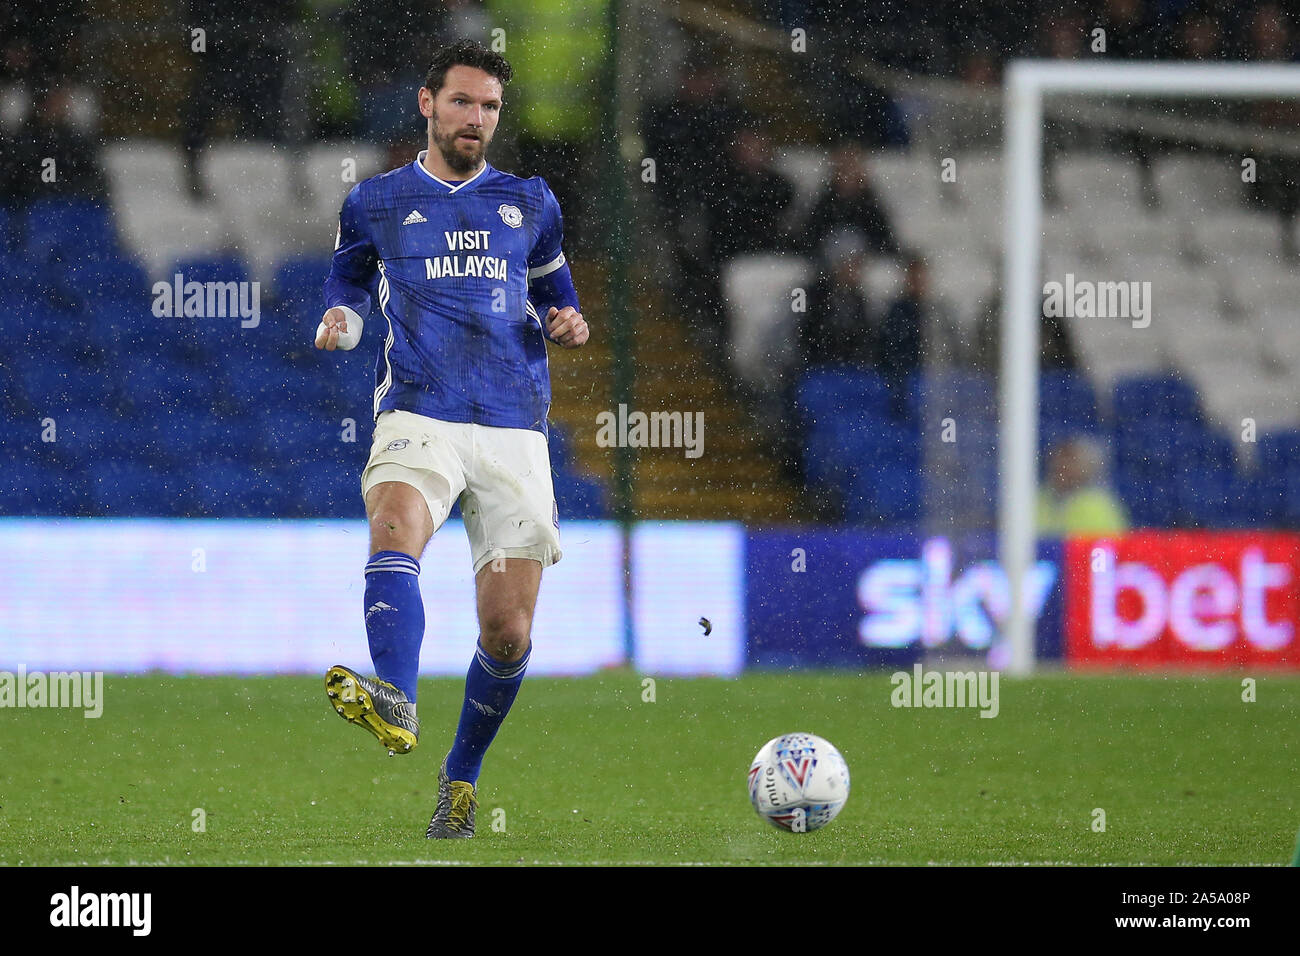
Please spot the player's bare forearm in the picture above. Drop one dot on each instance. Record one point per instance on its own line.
(566, 327)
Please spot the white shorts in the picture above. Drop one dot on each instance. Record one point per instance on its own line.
(502, 477)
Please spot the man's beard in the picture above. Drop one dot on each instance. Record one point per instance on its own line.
(460, 160)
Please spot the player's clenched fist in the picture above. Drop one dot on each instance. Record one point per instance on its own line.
(335, 333)
(567, 326)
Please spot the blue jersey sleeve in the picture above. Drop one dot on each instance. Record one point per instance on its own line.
(353, 270)
(546, 250)
(549, 280)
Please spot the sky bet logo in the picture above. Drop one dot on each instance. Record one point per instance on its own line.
(907, 599)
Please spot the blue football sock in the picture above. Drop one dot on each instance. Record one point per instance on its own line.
(490, 688)
(395, 618)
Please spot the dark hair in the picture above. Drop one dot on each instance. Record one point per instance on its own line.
(466, 53)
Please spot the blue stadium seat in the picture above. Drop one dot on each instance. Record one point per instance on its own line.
(299, 282)
(109, 278)
(59, 386)
(153, 382)
(135, 488)
(558, 441)
(833, 450)
(951, 392)
(884, 492)
(95, 433)
(32, 486)
(257, 381)
(1156, 399)
(68, 228)
(324, 488)
(1248, 504)
(47, 330)
(1066, 403)
(220, 268)
(232, 489)
(829, 392)
(1150, 503)
(289, 437)
(578, 496)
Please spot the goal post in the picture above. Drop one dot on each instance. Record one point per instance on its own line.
(1025, 84)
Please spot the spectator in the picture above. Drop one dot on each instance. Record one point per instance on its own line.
(1201, 36)
(1278, 184)
(838, 326)
(751, 204)
(558, 51)
(240, 71)
(849, 201)
(50, 134)
(1129, 34)
(1073, 499)
(388, 65)
(918, 332)
(687, 184)
(1055, 348)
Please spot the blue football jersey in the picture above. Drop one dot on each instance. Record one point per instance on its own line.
(453, 261)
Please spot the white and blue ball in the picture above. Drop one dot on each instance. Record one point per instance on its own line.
(798, 782)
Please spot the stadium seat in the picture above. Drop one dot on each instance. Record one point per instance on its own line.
(1156, 398)
(108, 278)
(289, 437)
(1066, 402)
(231, 489)
(1197, 186)
(155, 382)
(133, 487)
(212, 268)
(1091, 181)
(60, 385)
(34, 487)
(92, 433)
(299, 285)
(828, 393)
(72, 228)
(579, 497)
(329, 487)
(558, 441)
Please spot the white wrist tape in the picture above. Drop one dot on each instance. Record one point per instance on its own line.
(347, 340)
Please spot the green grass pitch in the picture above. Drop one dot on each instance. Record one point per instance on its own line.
(585, 771)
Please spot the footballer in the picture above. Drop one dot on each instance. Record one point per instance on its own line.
(470, 284)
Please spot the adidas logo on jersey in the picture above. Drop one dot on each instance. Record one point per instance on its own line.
(414, 217)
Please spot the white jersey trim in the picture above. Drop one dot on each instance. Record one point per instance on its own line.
(384, 296)
(451, 187)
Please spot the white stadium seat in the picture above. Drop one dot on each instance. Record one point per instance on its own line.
(762, 326)
(1105, 181)
(1197, 185)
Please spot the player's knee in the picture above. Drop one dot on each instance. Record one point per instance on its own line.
(400, 522)
(505, 636)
